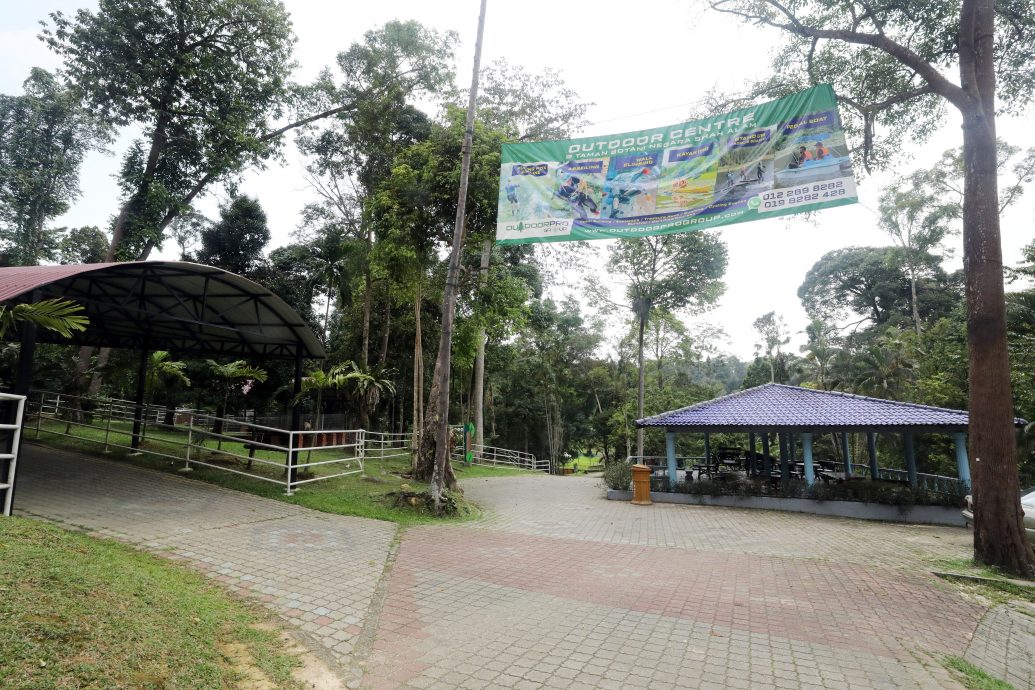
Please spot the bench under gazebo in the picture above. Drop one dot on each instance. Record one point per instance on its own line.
(796, 415)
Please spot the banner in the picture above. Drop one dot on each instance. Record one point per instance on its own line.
(786, 156)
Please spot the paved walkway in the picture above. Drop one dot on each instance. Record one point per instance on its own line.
(556, 587)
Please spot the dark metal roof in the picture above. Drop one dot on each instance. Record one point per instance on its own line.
(167, 305)
(776, 406)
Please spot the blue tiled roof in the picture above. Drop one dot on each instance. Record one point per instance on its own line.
(777, 405)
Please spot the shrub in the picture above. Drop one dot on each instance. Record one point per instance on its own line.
(861, 490)
(618, 475)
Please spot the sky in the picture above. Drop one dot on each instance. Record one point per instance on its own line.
(640, 69)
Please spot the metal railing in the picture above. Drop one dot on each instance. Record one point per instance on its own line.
(493, 456)
(191, 434)
(14, 428)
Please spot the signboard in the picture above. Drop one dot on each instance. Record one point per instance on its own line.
(785, 156)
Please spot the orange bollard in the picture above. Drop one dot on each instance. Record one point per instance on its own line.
(641, 485)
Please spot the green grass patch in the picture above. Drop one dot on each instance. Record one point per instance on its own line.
(973, 677)
(80, 612)
(363, 495)
(463, 471)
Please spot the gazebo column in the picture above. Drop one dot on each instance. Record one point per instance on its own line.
(871, 448)
(962, 462)
(847, 454)
(767, 466)
(670, 455)
(806, 456)
(707, 449)
(785, 469)
(750, 465)
(907, 442)
(138, 411)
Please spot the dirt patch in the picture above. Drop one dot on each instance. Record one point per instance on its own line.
(312, 673)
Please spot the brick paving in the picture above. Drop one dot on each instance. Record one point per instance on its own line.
(556, 587)
(317, 571)
(1004, 644)
(559, 588)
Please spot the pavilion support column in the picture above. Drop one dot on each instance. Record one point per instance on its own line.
(767, 465)
(138, 410)
(846, 453)
(707, 449)
(750, 466)
(785, 468)
(962, 462)
(806, 456)
(907, 442)
(871, 448)
(26, 354)
(296, 422)
(670, 455)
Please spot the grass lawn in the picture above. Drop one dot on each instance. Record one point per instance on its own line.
(363, 495)
(80, 612)
(583, 461)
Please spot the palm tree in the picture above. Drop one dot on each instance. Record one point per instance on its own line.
(319, 380)
(163, 371)
(368, 384)
(884, 368)
(229, 375)
(59, 315)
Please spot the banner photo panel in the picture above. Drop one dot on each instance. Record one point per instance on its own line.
(785, 156)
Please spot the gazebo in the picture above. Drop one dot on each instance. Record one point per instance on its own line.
(794, 413)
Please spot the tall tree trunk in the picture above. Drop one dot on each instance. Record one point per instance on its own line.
(912, 296)
(999, 536)
(365, 352)
(491, 404)
(382, 355)
(418, 381)
(478, 397)
(640, 386)
(426, 467)
(438, 424)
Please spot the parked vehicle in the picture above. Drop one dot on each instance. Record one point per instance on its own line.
(1027, 504)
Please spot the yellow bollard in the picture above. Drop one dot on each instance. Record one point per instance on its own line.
(641, 485)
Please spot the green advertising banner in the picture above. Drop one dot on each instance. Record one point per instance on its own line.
(786, 156)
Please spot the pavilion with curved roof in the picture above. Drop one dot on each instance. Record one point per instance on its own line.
(793, 412)
(185, 308)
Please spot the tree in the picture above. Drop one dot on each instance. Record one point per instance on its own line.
(235, 242)
(772, 333)
(202, 79)
(871, 283)
(85, 245)
(163, 371)
(44, 135)
(229, 375)
(671, 272)
(59, 315)
(891, 63)
(919, 211)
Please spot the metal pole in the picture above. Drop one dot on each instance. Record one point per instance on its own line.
(138, 410)
(296, 421)
(39, 416)
(190, 440)
(107, 424)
